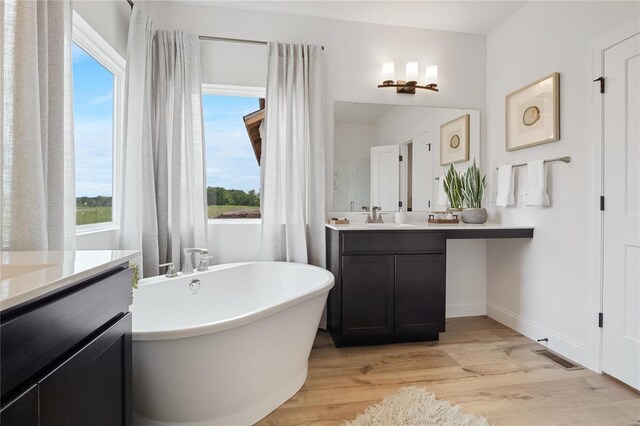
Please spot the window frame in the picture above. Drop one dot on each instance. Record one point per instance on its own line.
(240, 91)
(93, 44)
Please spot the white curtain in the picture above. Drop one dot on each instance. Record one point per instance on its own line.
(163, 193)
(292, 164)
(38, 175)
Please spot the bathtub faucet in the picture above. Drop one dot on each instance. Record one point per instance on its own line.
(171, 270)
(190, 264)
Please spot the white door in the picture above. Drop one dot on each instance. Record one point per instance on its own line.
(621, 285)
(385, 177)
(422, 173)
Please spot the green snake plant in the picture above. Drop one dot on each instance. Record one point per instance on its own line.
(453, 187)
(473, 185)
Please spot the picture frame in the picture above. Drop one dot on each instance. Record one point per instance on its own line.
(532, 114)
(454, 141)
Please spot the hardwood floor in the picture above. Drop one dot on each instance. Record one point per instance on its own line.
(485, 367)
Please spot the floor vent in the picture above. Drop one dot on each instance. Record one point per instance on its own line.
(562, 362)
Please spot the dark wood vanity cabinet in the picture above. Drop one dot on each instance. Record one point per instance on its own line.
(66, 359)
(390, 286)
(367, 302)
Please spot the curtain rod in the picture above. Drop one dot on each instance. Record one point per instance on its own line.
(225, 39)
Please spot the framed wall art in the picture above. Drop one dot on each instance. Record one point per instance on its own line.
(454, 141)
(532, 114)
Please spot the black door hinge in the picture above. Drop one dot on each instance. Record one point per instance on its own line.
(401, 158)
(399, 203)
(429, 145)
(601, 80)
(600, 319)
(602, 203)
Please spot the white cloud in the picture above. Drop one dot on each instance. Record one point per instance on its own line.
(94, 158)
(100, 99)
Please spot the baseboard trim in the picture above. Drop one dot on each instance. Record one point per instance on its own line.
(563, 345)
(465, 310)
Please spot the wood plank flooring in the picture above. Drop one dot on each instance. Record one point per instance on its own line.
(485, 367)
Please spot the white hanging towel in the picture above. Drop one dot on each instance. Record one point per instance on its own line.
(442, 199)
(505, 186)
(537, 184)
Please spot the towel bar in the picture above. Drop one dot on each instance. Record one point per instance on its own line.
(566, 159)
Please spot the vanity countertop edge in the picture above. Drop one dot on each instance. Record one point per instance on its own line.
(46, 272)
(453, 231)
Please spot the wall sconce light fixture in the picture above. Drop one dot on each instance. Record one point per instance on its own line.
(409, 85)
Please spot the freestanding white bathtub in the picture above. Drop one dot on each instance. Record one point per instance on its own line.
(229, 352)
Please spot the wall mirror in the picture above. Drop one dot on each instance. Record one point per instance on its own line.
(390, 156)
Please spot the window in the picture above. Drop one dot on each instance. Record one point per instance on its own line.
(98, 75)
(232, 117)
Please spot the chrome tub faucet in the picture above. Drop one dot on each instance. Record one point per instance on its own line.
(190, 265)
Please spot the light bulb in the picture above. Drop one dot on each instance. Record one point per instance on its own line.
(412, 71)
(431, 75)
(388, 71)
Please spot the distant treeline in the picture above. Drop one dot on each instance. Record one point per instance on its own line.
(217, 196)
(99, 201)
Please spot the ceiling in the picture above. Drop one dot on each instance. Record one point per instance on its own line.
(476, 17)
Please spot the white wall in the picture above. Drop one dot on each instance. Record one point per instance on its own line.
(110, 19)
(539, 286)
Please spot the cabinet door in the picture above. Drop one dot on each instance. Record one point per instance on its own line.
(22, 411)
(367, 295)
(420, 294)
(93, 387)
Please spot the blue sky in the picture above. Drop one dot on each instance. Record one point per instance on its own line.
(93, 121)
(230, 160)
(231, 163)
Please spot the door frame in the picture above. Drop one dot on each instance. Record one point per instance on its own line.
(595, 287)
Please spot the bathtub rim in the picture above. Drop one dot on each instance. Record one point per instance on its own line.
(233, 322)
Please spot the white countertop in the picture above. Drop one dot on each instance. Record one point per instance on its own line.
(26, 275)
(415, 226)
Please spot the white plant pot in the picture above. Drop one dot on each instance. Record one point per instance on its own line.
(476, 216)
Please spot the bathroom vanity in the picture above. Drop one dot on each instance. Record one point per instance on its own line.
(65, 334)
(391, 279)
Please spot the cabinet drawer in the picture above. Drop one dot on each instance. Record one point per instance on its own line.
(393, 242)
(93, 387)
(48, 331)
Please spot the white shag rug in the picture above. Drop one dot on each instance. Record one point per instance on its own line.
(416, 407)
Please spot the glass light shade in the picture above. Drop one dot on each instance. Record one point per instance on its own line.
(431, 75)
(388, 71)
(412, 71)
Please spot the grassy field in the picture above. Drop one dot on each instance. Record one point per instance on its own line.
(87, 215)
(215, 211)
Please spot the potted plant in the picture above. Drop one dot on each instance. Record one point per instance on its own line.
(473, 185)
(453, 188)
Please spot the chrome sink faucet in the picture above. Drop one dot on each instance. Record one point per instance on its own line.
(190, 265)
(376, 217)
